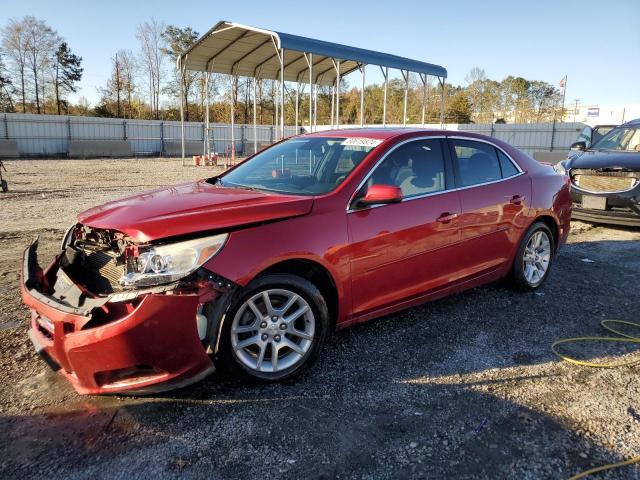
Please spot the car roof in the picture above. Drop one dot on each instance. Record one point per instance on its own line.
(632, 123)
(377, 133)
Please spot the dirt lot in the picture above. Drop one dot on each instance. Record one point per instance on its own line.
(465, 387)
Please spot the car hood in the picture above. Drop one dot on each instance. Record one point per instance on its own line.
(192, 207)
(595, 159)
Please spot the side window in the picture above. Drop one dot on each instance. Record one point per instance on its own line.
(416, 167)
(507, 166)
(477, 162)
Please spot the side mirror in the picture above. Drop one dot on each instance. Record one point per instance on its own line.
(381, 194)
(580, 146)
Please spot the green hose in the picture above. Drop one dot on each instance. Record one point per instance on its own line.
(623, 338)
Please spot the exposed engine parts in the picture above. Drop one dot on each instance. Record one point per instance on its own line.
(98, 258)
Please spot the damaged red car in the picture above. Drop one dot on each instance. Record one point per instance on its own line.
(250, 270)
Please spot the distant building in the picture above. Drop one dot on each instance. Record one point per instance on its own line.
(601, 114)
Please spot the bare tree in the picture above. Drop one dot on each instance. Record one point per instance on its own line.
(476, 80)
(41, 42)
(14, 44)
(6, 88)
(149, 34)
(177, 41)
(117, 83)
(113, 92)
(127, 66)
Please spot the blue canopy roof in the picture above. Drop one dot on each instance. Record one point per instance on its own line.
(232, 48)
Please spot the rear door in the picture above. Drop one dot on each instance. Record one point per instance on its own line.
(494, 194)
(403, 249)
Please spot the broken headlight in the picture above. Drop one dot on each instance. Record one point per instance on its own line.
(67, 237)
(167, 263)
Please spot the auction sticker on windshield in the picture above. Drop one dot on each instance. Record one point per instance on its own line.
(361, 142)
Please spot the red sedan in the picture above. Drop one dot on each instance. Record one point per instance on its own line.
(252, 269)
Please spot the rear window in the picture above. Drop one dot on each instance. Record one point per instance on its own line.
(507, 166)
(480, 162)
(477, 162)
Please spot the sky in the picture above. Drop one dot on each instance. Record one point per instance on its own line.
(596, 44)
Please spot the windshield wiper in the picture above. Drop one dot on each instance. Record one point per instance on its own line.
(215, 181)
(244, 187)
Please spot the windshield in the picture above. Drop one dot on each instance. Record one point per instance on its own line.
(624, 139)
(302, 165)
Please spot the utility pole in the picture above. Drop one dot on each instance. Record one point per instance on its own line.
(117, 67)
(575, 109)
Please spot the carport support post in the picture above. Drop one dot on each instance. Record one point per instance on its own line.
(282, 93)
(362, 69)
(385, 74)
(276, 102)
(441, 103)
(255, 114)
(233, 120)
(181, 107)
(406, 95)
(297, 105)
(336, 65)
(205, 146)
(423, 77)
(315, 109)
(333, 104)
(309, 60)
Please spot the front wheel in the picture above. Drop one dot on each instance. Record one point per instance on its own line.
(533, 258)
(274, 330)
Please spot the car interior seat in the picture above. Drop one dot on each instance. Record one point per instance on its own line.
(427, 174)
(476, 169)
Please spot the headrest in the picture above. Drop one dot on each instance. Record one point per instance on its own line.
(357, 156)
(425, 163)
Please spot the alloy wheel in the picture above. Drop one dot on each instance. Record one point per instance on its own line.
(537, 256)
(272, 330)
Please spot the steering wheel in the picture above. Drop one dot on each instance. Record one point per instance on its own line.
(340, 179)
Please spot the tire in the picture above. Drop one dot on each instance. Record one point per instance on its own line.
(249, 340)
(522, 278)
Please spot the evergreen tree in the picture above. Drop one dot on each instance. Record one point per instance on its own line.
(68, 72)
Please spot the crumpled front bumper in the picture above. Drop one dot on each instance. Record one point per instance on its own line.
(151, 345)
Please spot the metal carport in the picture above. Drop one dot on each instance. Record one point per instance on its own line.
(239, 50)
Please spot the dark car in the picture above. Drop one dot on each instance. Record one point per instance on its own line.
(605, 178)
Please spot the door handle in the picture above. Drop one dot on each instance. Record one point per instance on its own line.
(446, 217)
(516, 199)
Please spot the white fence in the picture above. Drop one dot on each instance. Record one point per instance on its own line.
(50, 135)
(528, 137)
(531, 137)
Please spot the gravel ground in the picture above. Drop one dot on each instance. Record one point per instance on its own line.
(464, 387)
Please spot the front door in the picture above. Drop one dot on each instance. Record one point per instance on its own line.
(401, 250)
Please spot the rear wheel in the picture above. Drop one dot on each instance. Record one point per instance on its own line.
(534, 257)
(274, 330)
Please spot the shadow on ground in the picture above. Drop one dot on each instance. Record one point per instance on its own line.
(465, 387)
